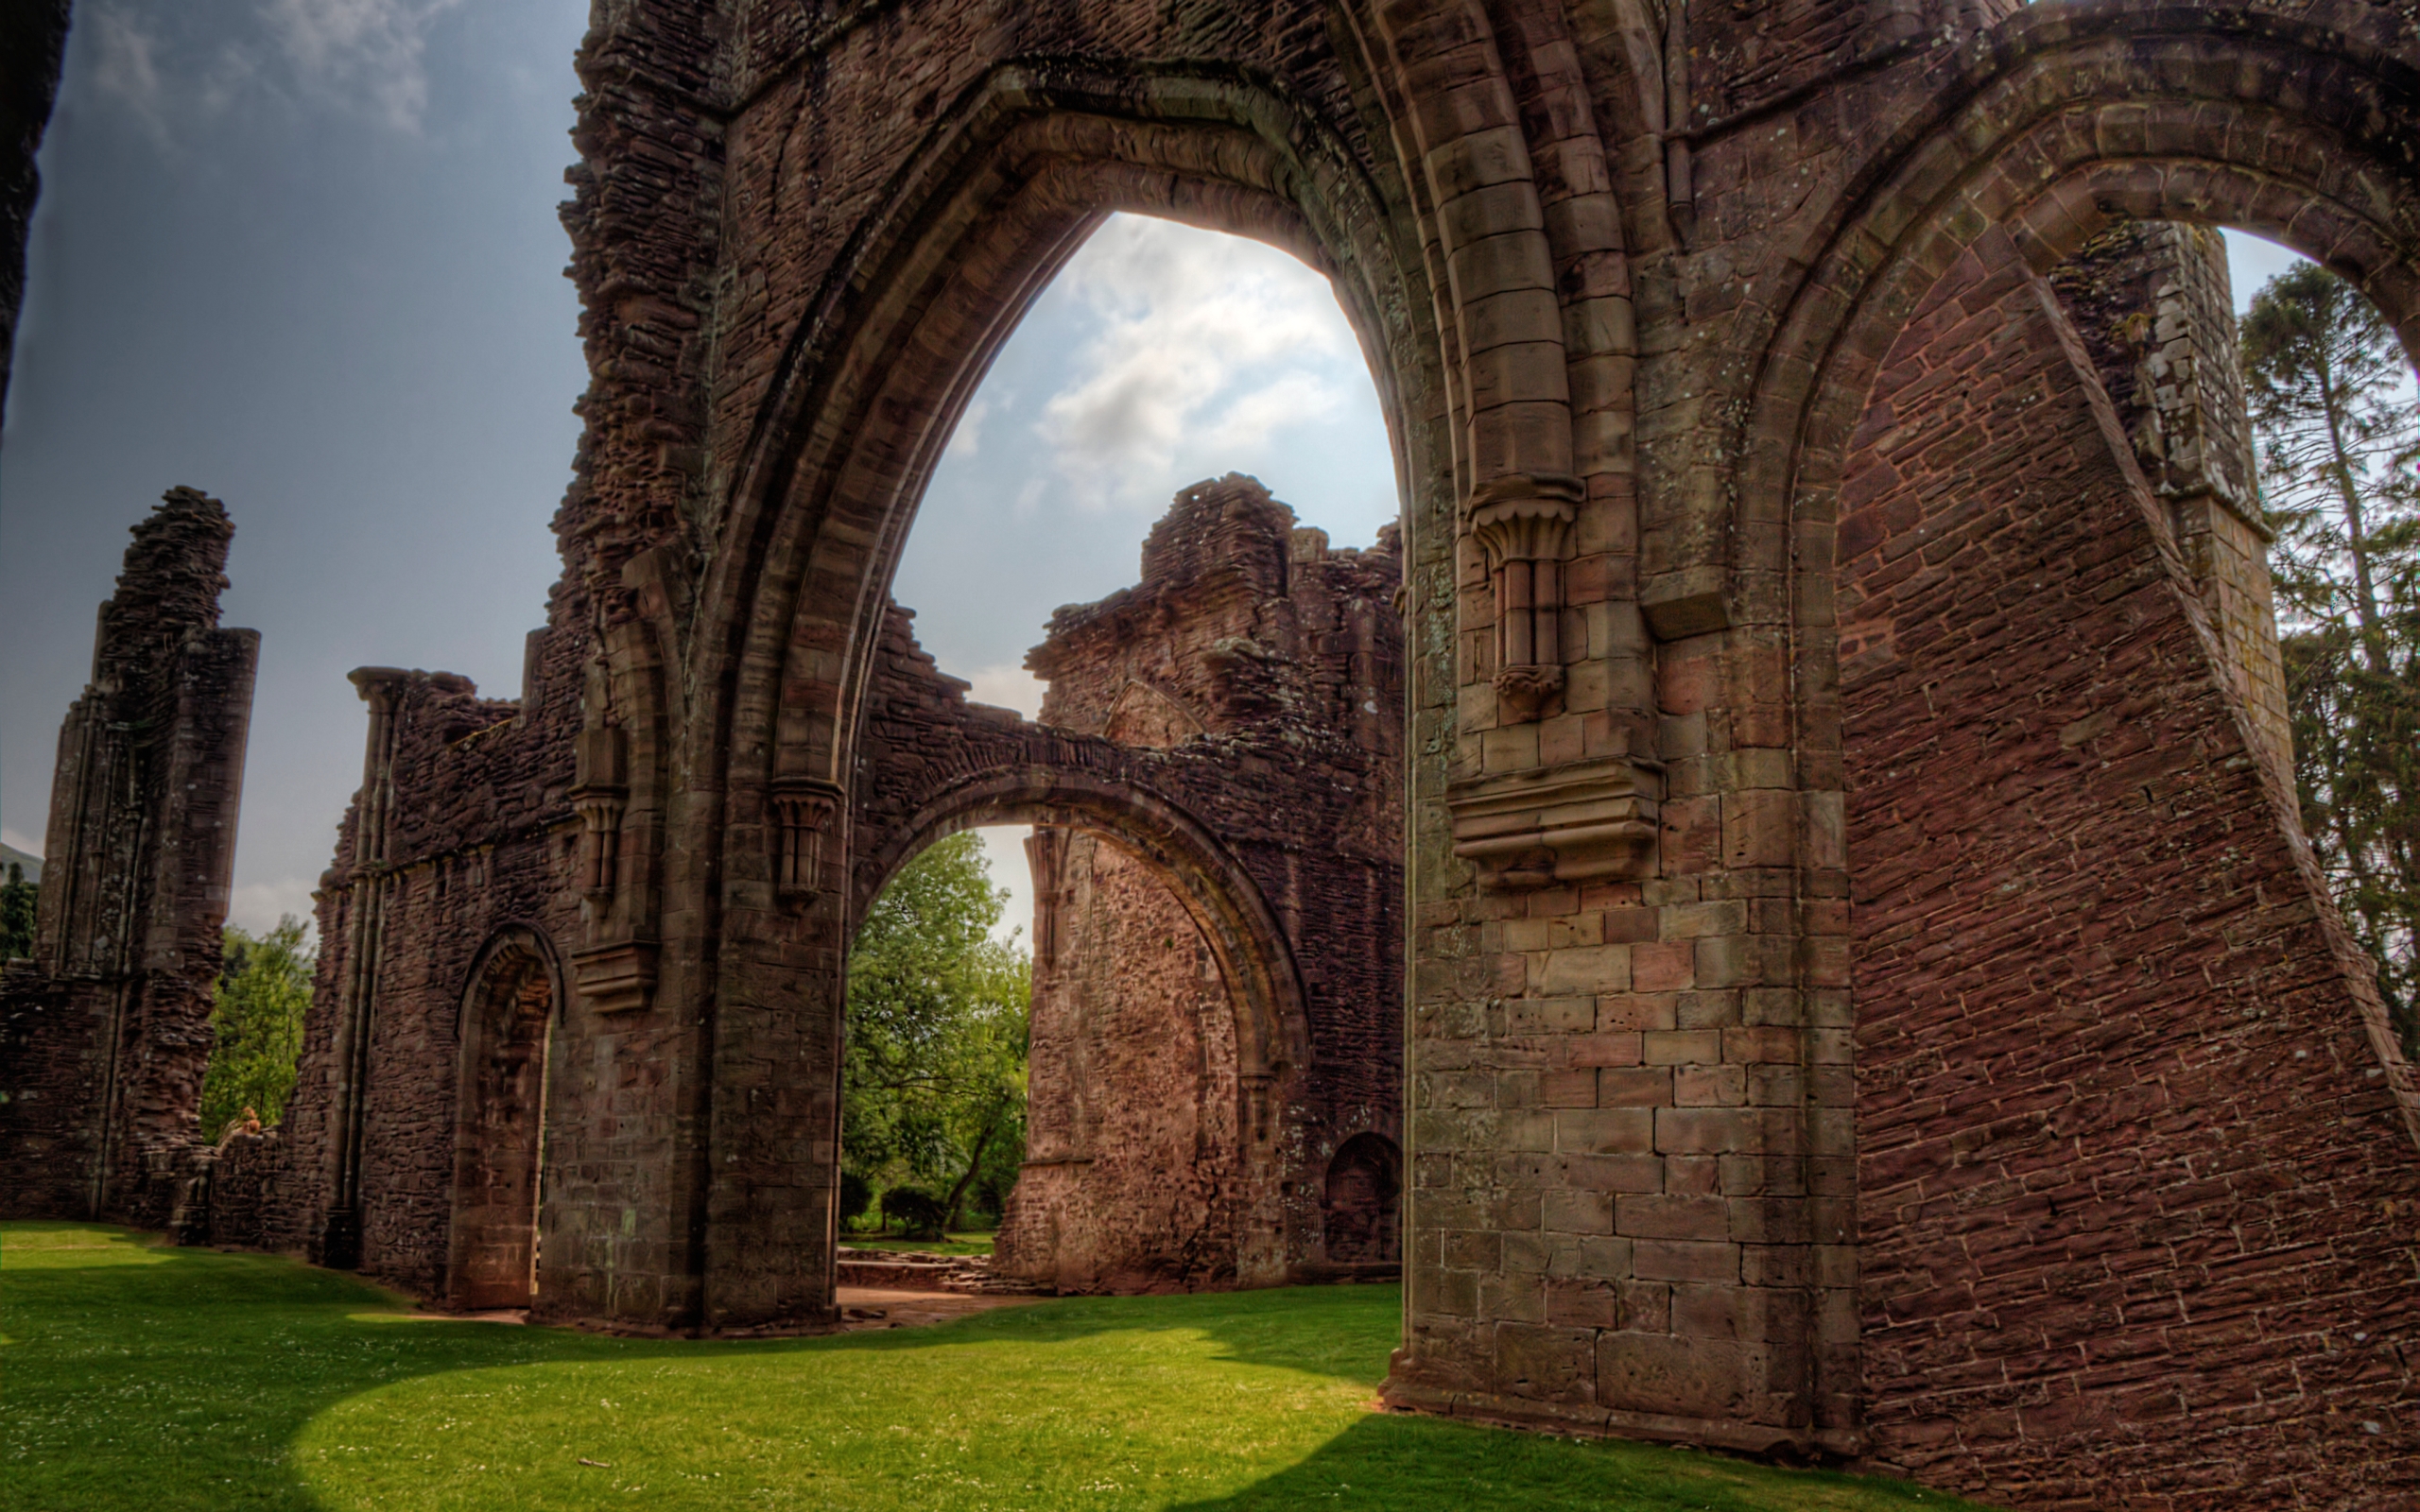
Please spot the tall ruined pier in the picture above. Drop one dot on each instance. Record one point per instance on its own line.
(104, 1035)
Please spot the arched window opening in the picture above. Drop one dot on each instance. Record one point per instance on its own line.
(1358, 1205)
(506, 1024)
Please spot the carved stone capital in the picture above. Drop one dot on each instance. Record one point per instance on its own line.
(1522, 692)
(1525, 517)
(600, 817)
(617, 978)
(1589, 821)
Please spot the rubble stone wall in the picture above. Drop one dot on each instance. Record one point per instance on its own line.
(1629, 277)
(105, 1035)
(2127, 1177)
(1215, 1009)
(1240, 623)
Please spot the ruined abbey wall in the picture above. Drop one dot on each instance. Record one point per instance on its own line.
(105, 1032)
(1866, 996)
(1240, 622)
(2057, 1078)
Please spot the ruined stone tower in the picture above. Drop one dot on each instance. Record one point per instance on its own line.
(104, 1035)
(1241, 622)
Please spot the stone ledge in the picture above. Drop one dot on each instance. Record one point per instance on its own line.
(1588, 821)
(617, 978)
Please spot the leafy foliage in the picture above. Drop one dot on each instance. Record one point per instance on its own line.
(914, 1213)
(264, 991)
(856, 1196)
(2340, 472)
(934, 1083)
(18, 898)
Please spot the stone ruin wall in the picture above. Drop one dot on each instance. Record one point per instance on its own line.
(104, 1035)
(1240, 620)
(1129, 1181)
(2154, 304)
(2084, 1121)
(467, 829)
(1630, 274)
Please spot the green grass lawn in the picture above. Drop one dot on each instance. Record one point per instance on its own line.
(155, 1379)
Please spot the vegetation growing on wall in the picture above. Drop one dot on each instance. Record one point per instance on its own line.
(263, 990)
(934, 1084)
(2330, 393)
(18, 898)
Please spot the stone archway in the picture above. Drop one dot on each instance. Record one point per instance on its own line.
(1003, 191)
(1242, 1233)
(508, 1011)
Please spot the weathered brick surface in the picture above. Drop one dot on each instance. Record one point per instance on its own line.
(1141, 1149)
(105, 1034)
(2132, 1196)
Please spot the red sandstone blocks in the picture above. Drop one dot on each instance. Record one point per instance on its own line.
(1605, 1131)
(1673, 1218)
(1662, 966)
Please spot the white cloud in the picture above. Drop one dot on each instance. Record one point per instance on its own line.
(258, 905)
(126, 68)
(966, 441)
(1008, 686)
(370, 50)
(1203, 341)
(170, 64)
(15, 841)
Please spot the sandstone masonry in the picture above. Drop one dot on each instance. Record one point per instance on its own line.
(105, 1032)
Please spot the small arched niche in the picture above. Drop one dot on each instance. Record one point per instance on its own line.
(1360, 1201)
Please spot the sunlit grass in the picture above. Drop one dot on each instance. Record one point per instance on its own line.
(154, 1379)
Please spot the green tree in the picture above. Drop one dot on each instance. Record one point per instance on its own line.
(934, 1077)
(264, 991)
(18, 898)
(2332, 409)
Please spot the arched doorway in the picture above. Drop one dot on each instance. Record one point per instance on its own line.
(789, 609)
(1102, 1213)
(508, 1015)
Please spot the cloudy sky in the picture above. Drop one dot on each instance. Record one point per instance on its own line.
(303, 254)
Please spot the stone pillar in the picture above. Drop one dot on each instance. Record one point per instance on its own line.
(105, 1040)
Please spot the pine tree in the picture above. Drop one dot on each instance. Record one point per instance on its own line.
(2330, 391)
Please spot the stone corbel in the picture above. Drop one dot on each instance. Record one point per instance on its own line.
(1524, 525)
(805, 812)
(1588, 821)
(616, 978)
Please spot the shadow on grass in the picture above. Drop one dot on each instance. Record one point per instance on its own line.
(1385, 1462)
(142, 1379)
(152, 1379)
